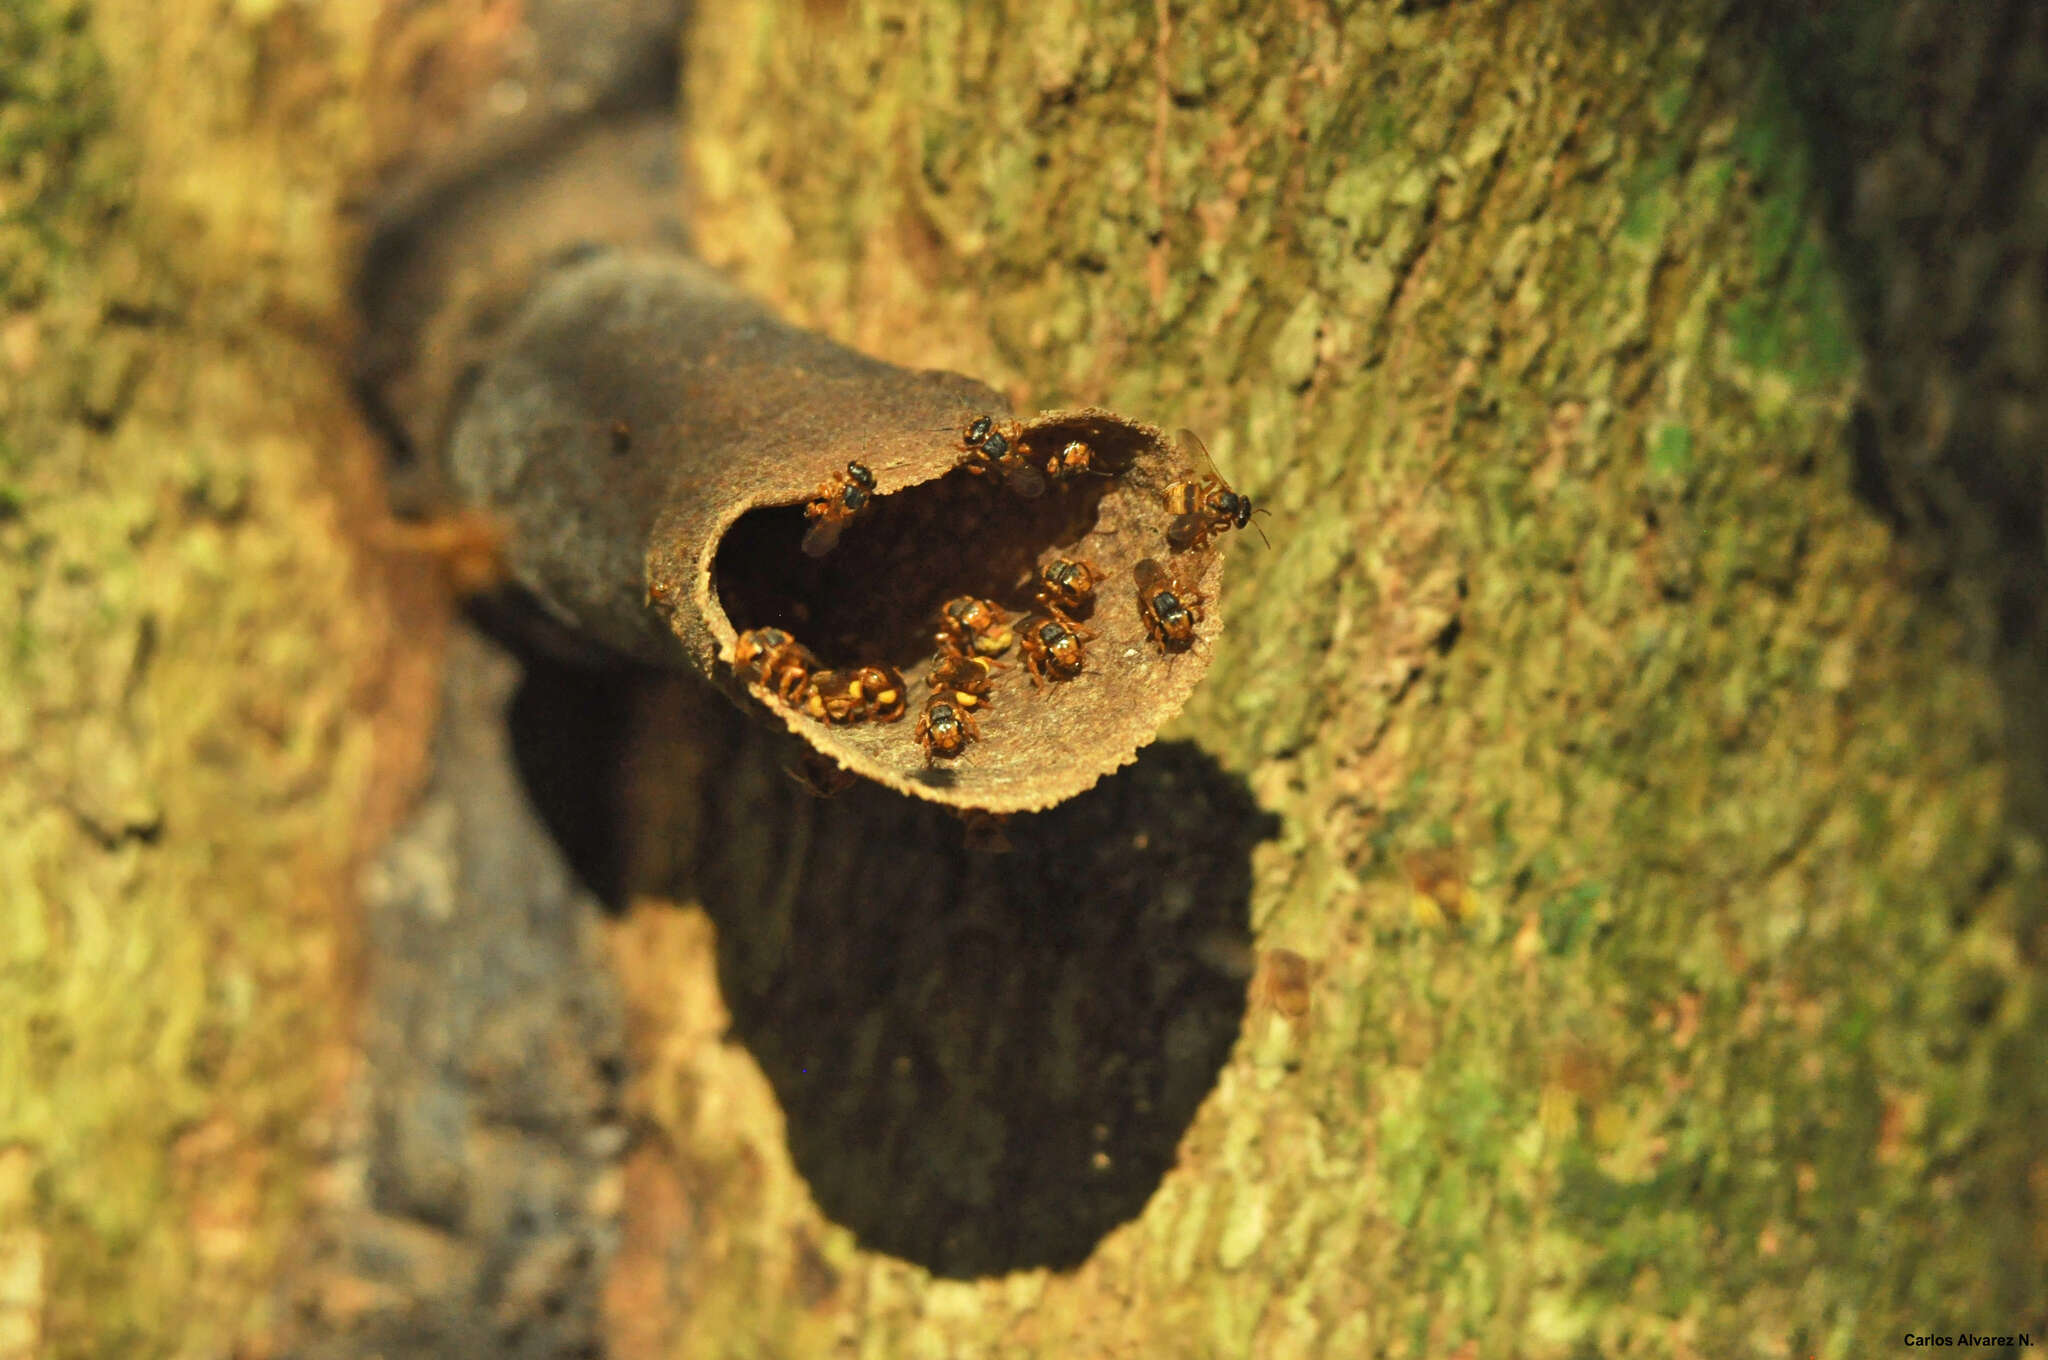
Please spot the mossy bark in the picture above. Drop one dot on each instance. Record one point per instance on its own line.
(203, 708)
(1676, 965)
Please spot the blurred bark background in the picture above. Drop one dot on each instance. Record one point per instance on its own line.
(1635, 724)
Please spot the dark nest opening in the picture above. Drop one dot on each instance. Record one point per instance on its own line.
(875, 597)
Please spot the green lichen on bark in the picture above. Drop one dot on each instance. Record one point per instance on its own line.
(1727, 1036)
(182, 752)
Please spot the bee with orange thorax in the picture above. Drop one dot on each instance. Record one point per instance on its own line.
(1167, 608)
(969, 626)
(871, 692)
(1066, 586)
(1053, 650)
(943, 730)
(771, 657)
(964, 681)
(1204, 507)
(1000, 448)
(834, 507)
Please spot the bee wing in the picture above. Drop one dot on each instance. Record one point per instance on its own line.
(822, 537)
(1027, 482)
(1192, 442)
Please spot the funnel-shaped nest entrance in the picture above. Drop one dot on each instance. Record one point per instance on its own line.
(941, 522)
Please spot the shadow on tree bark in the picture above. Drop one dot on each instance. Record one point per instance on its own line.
(987, 1055)
(986, 1060)
(1924, 123)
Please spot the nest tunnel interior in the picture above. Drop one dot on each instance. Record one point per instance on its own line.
(875, 596)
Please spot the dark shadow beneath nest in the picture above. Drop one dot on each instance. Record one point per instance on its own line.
(987, 1060)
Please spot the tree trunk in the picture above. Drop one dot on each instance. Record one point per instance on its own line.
(1584, 913)
(206, 711)
(1673, 966)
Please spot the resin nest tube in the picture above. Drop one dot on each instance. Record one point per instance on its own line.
(982, 612)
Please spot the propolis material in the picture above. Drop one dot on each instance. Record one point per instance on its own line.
(649, 436)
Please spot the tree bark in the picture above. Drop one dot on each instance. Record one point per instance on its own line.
(1585, 913)
(1674, 961)
(211, 695)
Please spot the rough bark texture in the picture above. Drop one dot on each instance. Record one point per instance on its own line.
(1645, 944)
(203, 712)
(1675, 964)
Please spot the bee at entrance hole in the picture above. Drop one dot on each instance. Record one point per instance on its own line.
(836, 503)
(836, 697)
(882, 689)
(1205, 507)
(1052, 649)
(771, 657)
(943, 730)
(1000, 447)
(1075, 459)
(1166, 607)
(961, 680)
(1066, 586)
(969, 626)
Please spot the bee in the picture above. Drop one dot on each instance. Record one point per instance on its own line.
(837, 502)
(771, 657)
(1066, 586)
(1205, 507)
(1074, 460)
(1167, 608)
(882, 688)
(1005, 452)
(966, 679)
(836, 697)
(973, 627)
(1052, 649)
(943, 730)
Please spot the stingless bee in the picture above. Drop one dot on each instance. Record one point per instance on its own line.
(1204, 507)
(1167, 608)
(1001, 448)
(1075, 459)
(1066, 586)
(1052, 649)
(943, 730)
(963, 680)
(872, 691)
(835, 697)
(882, 688)
(969, 626)
(771, 657)
(836, 503)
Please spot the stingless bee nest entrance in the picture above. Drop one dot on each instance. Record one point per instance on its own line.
(876, 594)
(677, 468)
(1082, 494)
